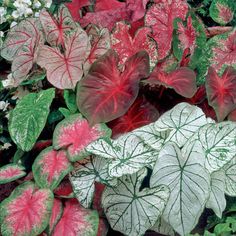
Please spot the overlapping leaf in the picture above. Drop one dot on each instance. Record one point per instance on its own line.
(162, 227)
(130, 210)
(189, 183)
(75, 133)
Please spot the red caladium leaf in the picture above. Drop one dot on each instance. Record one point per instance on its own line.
(64, 190)
(26, 211)
(102, 227)
(199, 96)
(138, 8)
(18, 36)
(11, 172)
(221, 91)
(77, 221)
(232, 115)
(103, 5)
(105, 93)
(56, 214)
(182, 80)
(97, 199)
(160, 18)
(64, 71)
(74, 133)
(50, 167)
(56, 28)
(126, 46)
(100, 43)
(139, 114)
(135, 26)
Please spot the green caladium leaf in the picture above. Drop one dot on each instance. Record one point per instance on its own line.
(217, 201)
(230, 177)
(130, 210)
(29, 117)
(189, 183)
(162, 227)
(70, 99)
(84, 176)
(222, 11)
(181, 122)
(127, 154)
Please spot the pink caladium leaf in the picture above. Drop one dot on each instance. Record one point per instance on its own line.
(112, 92)
(77, 221)
(100, 44)
(221, 91)
(138, 8)
(160, 18)
(11, 172)
(139, 114)
(103, 5)
(64, 190)
(126, 46)
(26, 211)
(50, 167)
(56, 215)
(75, 133)
(182, 80)
(56, 28)
(64, 71)
(18, 36)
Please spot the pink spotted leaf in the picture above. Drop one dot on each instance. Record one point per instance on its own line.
(75, 133)
(138, 8)
(77, 221)
(11, 172)
(50, 167)
(126, 46)
(221, 91)
(103, 5)
(106, 93)
(26, 211)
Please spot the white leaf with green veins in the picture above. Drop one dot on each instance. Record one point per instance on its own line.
(162, 227)
(217, 200)
(130, 210)
(189, 183)
(128, 154)
(84, 176)
(182, 122)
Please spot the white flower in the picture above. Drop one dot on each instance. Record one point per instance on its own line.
(5, 146)
(3, 12)
(9, 82)
(13, 23)
(48, 3)
(1, 34)
(37, 4)
(4, 105)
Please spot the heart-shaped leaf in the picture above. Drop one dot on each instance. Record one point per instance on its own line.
(26, 211)
(221, 92)
(29, 117)
(138, 8)
(182, 122)
(113, 92)
(217, 201)
(77, 221)
(160, 18)
(65, 70)
(182, 80)
(50, 167)
(130, 210)
(56, 28)
(189, 183)
(74, 133)
(126, 46)
(128, 154)
(84, 176)
(11, 172)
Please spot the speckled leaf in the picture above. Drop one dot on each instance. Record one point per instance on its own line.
(189, 183)
(27, 210)
(29, 117)
(50, 167)
(222, 11)
(84, 176)
(182, 122)
(130, 210)
(77, 221)
(75, 133)
(127, 154)
(217, 201)
(126, 46)
(11, 172)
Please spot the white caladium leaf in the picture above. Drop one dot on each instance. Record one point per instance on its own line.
(217, 200)
(218, 142)
(130, 210)
(182, 121)
(151, 136)
(128, 154)
(163, 228)
(230, 177)
(84, 176)
(184, 173)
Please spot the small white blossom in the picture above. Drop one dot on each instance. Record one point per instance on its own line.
(13, 23)
(5, 146)
(4, 105)
(37, 4)
(9, 82)
(3, 12)
(1, 34)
